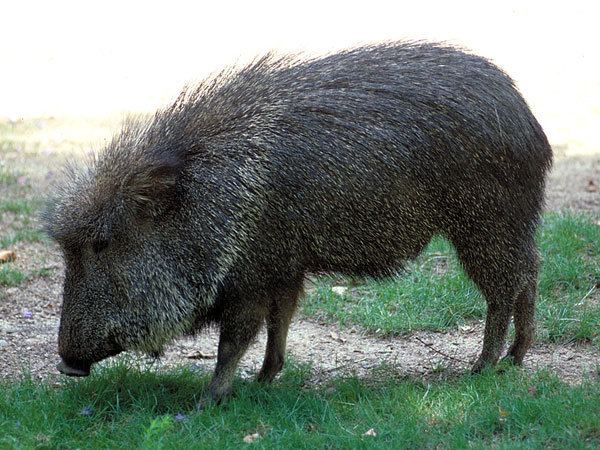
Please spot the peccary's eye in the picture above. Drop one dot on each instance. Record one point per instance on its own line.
(98, 246)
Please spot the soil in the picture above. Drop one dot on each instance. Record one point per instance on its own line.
(574, 184)
(29, 316)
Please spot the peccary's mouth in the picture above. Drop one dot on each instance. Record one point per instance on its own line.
(74, 369)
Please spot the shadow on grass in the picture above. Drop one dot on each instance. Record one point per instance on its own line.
(120, 406)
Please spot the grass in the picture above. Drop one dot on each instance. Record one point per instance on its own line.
(7, 177)
(435, 294)
(20, 230)
(9, 276)
(120, 408)
(24, 234)
(18, 206)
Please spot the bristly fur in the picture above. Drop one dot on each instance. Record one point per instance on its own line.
(214, 209)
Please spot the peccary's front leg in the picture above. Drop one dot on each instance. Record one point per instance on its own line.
(237, 330)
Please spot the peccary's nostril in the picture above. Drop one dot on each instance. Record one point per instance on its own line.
(79, 369)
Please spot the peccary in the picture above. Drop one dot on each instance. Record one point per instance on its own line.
(212, 211)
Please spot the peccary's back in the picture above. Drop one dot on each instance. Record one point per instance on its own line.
(372, 151)
(366, 154)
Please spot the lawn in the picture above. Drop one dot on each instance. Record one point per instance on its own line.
(119, 407)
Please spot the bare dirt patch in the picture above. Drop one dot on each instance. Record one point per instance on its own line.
(574, 184)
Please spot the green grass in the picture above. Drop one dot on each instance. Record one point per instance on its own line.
(7, 177)
(435, 294)
(25, 234)
(9, 276)
(120, 408)
(571, 269)
(18, 206)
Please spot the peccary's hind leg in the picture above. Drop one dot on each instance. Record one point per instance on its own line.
(496, 268)
(496, 326)
(278, 322)
(524, 311)
(239, 326)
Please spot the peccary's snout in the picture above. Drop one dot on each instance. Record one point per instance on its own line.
(74, 369)
(78, 355)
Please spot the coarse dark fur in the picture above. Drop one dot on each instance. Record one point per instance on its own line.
(215, 209)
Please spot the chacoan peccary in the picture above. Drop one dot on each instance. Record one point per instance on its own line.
(214, 209)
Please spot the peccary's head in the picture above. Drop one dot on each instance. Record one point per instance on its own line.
(151, 227)
(131, 278)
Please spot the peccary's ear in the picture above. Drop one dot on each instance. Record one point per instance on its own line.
(152, 188)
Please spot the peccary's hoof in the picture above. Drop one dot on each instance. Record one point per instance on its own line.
(212, 399)
(82, 371)
(510, 361)
(201, 405)
(206, 403)
(480, 366)
(267, 376)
